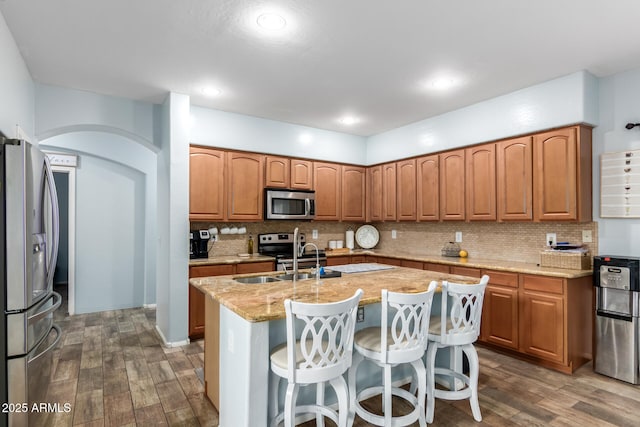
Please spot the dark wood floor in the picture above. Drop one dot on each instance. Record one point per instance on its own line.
(114, 371)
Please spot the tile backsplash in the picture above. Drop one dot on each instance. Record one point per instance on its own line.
(518, 241)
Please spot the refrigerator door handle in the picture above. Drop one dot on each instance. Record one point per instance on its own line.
(52, 346)
(39, 315)
(55, 222)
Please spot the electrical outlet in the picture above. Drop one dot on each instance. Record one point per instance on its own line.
(458, 236)
(360, 315)
(551, 239)
(394, 234)
(587, 237)
(314, 234)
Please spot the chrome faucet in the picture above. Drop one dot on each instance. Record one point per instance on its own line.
(295, 254)
(317, 272)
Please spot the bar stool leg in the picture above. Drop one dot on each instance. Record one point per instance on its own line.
(340, 387)
(474, 368)
(421, 375)
(355, 361)
(275, 383)
(290, 404)
(320, 402)
(431, 381)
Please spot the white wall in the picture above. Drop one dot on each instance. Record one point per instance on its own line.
(16, 87)
(563, 101)
(619, 105)
(216, 128)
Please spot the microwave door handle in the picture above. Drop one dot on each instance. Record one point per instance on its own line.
(55, 218)
(307, 206)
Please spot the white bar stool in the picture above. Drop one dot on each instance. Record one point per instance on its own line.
(403, 340)
(458, 327)
(323, 353)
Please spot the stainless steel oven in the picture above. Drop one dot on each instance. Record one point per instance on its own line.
(289, 204)
(617, 332)
(281, 246)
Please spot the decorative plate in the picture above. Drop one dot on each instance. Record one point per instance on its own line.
(367, 236)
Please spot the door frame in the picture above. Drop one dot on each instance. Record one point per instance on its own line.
(71, 172)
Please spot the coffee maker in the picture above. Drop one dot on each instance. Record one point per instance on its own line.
(198, 241)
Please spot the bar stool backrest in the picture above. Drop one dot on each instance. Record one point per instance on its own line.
(326, 339)
(461, 312)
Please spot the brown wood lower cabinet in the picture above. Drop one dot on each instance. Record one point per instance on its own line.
(500, 310)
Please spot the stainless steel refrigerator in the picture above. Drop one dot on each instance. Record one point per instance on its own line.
(29, 231)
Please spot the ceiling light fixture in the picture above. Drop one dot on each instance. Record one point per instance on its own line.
(349, 120)
(211, 91)
(443, 83)
(271, 22)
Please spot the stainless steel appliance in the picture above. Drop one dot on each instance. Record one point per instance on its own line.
(29, 229)
(289, 204)
(281, 246)
(617, 340)
(198, 243)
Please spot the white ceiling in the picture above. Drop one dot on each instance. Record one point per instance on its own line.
(371, 59)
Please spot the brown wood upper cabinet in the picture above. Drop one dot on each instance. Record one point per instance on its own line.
(328, 186)
(452, 184)
(374, 193)
(353, 193)
(245, 186)
(283, 172)
(406, 190)
(562, 174)
(206, 184)
(428, 188)
(389, 188)
(480, 189)
(515, 179)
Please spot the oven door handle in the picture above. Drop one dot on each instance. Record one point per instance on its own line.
(612, 315)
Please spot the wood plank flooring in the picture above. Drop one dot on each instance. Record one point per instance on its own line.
(113, 370)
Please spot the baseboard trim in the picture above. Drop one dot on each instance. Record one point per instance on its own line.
(171, 344)
(149, 305)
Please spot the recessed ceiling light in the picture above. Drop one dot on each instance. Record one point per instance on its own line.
(443, 83)
(271, 21)
(211, 91)
(349, 120)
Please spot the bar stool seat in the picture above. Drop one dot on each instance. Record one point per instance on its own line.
(323, 353)
(401, 340)
(457, 328)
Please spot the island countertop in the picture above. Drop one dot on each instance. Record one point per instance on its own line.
(263, 302)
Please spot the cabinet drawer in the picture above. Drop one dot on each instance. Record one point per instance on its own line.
(466, 271)
(412, 264)
(390, 261)
(502, 278)
(254, 267)
(358, 259)
(553, 285)
(211, 270)
(440, 268)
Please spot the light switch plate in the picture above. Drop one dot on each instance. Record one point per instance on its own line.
(314, 234)
(587, 237)
(458, 236)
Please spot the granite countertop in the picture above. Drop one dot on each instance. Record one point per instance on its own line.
(489, 264)
(230, 259)
(262, 302)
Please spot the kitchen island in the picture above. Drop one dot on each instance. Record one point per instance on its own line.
(251, 324)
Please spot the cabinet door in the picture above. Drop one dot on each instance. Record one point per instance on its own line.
(245, 186)
(406, 190)
(197, 298)
(276, 172)
(428, 189)
(542, 325)
(514, 180)
(389, 192)
(480, 178)
(353, 193)
(326, 177)
(374, 193)
(206, 184)
(302, 174)
(452, 185)
(500, 316)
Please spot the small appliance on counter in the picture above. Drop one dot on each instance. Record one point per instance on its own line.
(617, 331)
(198, 241)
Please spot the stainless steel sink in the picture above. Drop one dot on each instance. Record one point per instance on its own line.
(256, 279)
(300, 276)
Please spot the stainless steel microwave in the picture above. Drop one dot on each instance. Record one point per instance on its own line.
(282, 203)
